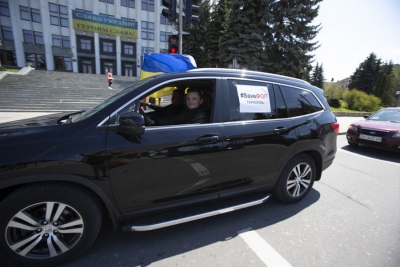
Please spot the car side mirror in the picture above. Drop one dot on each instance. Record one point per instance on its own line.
(130, 123)
(366, 116)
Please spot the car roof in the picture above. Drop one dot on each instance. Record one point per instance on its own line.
(243, 72)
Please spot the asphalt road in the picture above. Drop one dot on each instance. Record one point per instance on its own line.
(350, 218)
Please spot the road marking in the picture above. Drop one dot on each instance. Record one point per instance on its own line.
(264, 251)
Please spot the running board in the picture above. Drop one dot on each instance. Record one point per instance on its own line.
(193, 213)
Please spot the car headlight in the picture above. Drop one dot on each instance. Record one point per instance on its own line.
(397, 135)
(353, 128)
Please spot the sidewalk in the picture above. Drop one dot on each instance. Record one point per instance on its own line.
(344, 122)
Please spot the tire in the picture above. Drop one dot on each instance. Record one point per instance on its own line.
(47, 224)
(296, 179)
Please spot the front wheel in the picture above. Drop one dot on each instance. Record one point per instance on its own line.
(296, 179)
(47, 224)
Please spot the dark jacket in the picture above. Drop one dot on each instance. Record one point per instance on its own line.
(197, 115)
(166, 111)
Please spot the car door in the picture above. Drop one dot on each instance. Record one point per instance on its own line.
(168, 165)
(258, 135)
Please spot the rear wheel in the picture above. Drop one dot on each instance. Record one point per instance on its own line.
(296, 179)
(48, 224)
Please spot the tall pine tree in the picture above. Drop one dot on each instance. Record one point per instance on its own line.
(366, 75)
(318, 78)
(244, 40)
(289, 40)
(217, 28)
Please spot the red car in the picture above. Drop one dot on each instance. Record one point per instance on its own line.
(381, 130)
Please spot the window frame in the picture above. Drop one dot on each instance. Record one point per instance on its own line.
(4, 9)
(8, 31)
(127, 3)
(147, 5)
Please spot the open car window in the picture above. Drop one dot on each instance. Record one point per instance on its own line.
(161, 100)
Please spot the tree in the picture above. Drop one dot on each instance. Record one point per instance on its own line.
(289, 41)
(244, 40)
(380, 85)
(317, 78)
(366, 75)
(217, 28)
(194, 42)
(389, 95)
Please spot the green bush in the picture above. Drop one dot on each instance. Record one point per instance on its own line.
(361, 101)
(2, 68)
(334, 102)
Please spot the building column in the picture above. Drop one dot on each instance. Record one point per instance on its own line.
(97, 52)
(118, 50)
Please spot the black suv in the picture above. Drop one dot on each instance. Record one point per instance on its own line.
(59, 174)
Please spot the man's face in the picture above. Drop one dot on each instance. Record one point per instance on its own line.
(176, 98)
(193, 100)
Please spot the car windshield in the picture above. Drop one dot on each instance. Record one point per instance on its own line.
(109, 101)
(386, 115)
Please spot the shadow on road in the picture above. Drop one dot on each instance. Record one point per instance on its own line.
(374, 153)
(118, 248)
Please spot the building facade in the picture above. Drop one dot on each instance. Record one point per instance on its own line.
(85, 36)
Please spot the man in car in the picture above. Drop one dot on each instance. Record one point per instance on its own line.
(193, 113)
(173, 109)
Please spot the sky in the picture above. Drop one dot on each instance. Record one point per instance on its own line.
(351, 30)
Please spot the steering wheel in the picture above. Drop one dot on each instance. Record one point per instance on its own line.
(146, 119)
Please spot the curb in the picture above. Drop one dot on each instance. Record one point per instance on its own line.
(351, 114)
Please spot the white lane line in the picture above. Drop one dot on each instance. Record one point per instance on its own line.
(264, 251)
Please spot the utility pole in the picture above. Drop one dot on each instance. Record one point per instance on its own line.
(180, 25)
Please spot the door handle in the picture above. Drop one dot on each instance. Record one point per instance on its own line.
(278, 130)
(204, 139)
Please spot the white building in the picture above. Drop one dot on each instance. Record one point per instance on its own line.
(86, 36)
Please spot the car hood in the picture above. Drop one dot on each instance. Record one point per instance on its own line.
(381, 125)
(46, 120)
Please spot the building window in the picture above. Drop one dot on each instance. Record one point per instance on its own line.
(7, 33)
(28, 38)
(38, 60)
(62, 63)
(107, 65)
(128, 3)
(164, 20)
(128, 49)
(4, 11)
(126, 19)
(147, 30)
(8, 58)
(107, 47)
(88, 11)
(107, 1)
(35, 15)
(111, 16)
(58, 15)
(147, 50)
(65, 41)
(57, 39)
(164, 36)
(38, 36)
(29, 14)
(86, 44)
(148, 5)
(24, 12)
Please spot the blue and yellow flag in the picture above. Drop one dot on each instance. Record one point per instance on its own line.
(165, 63)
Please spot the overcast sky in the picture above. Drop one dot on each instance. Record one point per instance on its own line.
(352, 29)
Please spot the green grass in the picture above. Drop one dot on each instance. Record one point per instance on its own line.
(12, 70)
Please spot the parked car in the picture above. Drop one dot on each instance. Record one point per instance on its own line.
(59, 174)
(381, 129)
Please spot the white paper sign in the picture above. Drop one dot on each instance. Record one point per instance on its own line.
(253, 99)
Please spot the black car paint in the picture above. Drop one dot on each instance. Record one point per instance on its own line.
(118, 168)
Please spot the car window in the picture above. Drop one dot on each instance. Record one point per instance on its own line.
(157, 104)
(250, 100)
(281, 109)
(300, 102)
